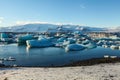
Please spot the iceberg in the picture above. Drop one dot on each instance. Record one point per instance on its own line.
(62, 39)
(4, 35)
(100, 43)
(78, 32)
(114, 47)
(74, 47)
(23, 39)
(71, 40)
(79, 41)
(5, 38)
(43, 42)
(105, 46)
(85, 42)
(90, 46)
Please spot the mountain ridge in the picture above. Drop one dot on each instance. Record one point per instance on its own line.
(44, 27)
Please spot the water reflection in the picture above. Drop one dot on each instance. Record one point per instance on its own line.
(27, 50)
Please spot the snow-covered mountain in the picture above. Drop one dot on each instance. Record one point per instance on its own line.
(114, 29)
(46, 27)
(27, 28)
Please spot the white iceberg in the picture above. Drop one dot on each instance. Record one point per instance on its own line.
(114, 47)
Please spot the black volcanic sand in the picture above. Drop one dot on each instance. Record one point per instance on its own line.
(93, 61)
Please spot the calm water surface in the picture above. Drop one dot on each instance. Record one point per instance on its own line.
(50, 56)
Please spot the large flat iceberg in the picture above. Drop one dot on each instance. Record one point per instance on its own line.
(39, 43)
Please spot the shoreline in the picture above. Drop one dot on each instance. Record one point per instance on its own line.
(89, 62)
(93, 69)
(93, 61)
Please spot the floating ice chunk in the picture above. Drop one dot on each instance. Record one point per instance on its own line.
(71, 40)
(62, 39)
(85, 42)
(74, 47)
(39, 43)
(23, 39)
(114, 47)
(90, 46)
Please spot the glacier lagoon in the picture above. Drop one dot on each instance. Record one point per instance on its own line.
(50, 56)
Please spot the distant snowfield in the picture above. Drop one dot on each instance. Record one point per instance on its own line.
(45, 27)
(109, 71)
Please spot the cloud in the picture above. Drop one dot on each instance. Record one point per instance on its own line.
(38, 22)
(82, 6)
(30, 22)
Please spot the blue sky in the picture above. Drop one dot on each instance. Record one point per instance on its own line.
(96, 13)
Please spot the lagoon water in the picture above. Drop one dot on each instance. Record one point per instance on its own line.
(50, 56)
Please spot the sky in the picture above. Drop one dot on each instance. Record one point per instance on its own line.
(95, 13)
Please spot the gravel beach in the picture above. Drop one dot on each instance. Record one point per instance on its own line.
(107, 71)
